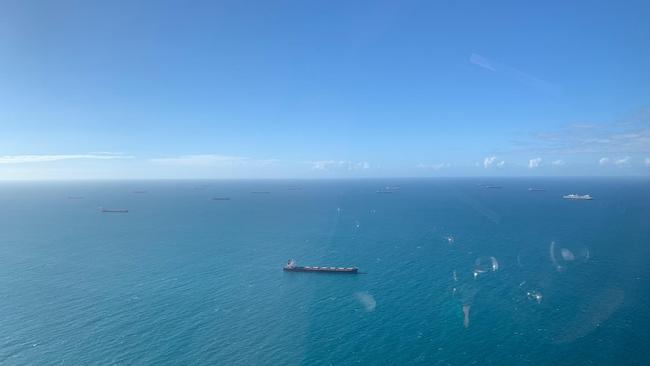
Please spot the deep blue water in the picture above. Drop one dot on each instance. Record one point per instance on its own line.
(183, 279)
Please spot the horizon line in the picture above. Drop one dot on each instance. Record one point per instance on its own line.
(319, 178)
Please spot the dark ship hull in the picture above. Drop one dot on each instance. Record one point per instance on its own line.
(348, 270)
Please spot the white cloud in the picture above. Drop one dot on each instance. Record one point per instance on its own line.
(487, 162)
(434, 166)
(511, 72)
(481, 61)
(534, 163)
(339, 165)
(363, 165)
(558, 162)
(618, 162)
(22, 159)
(490, 161)
(200, 159)
(322, 164)
(625, 136)
(623, 161)
(212, 160)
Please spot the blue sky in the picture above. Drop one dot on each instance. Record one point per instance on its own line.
(308, 89)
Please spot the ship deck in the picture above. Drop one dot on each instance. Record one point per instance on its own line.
(321, 269)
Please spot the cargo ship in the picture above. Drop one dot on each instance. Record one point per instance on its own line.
(536, 190)
(577, 197)
(292, 266)
(114, 210)
(388, 189)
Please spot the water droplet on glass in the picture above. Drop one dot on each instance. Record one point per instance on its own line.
(466, 309)
(567, 255)
(534, 295)
(563, 257)
(367, 300)
(484, 265)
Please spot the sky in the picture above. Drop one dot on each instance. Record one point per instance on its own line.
(331, 89)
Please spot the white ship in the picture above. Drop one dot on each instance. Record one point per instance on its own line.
(577, 197)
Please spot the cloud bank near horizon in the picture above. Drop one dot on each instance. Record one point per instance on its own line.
(213, 165)
(36, 158)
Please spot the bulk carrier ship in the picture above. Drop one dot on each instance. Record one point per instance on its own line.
(292, 266)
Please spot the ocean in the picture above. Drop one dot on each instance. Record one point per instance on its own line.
(452, 272)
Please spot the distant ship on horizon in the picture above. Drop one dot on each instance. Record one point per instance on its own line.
(388, 189)
(113, 210)
(577, 197)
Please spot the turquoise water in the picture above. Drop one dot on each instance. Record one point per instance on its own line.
(184, 279)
